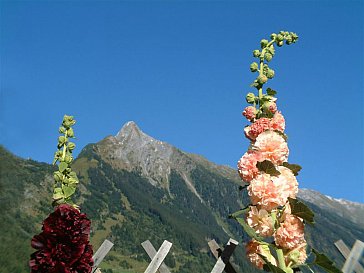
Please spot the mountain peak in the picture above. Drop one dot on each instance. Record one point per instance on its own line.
(129, 130)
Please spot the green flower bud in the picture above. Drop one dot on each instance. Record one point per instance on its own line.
(263, 43)
(68, 158)
(280, 37)
(71, 146)
(250, 98)
(289, 40)
(70, 132)
(68, 121)
(273, 36)
(61, 141)
(294, 36)
(256, 53)
(253, 67)
(270, 73)
(58, 176)
(73, 175)
(268, 56)
(262, 79)
(280, 43)
(62, 130)
(271, 50)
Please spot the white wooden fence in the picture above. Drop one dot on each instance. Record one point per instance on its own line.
(353, 256)
(157, 257)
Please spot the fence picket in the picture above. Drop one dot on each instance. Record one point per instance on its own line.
(101, 253)
(159, 257)
(222, 262)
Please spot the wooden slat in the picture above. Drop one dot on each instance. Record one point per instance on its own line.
(149, 248)
(159, 257)
(342, 247)
(215, 248)
(101, 253)
(353, 259)
(345, 251)
(223, 260)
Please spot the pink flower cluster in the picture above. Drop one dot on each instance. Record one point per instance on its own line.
(268, 192)
(276, 123)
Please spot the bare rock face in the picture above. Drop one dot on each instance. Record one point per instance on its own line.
(341, 207)
(132, 149)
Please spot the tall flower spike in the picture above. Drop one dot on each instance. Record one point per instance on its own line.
(272, 184)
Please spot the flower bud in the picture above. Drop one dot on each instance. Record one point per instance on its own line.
(279, 37)
(270, 73)
(68, 121)
(253, 67)
(273, 36)
(280, 43)
(262, 79)
(268, 56)
(70, 132)
(289, 40)
(58, 176)
(270, 107)
(68, 159)
(256, 53)
(71, 146)
(62, 130)
(61, 140)
(250, 98)
(249, 112)
(263, 43)
(271, 50)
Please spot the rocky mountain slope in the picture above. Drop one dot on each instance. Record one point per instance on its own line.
(135, 188)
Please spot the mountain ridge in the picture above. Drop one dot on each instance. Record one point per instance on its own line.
(136, 188)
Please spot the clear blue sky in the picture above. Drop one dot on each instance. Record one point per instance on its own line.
(180, 70)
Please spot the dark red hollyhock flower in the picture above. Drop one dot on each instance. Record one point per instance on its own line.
(63, 245)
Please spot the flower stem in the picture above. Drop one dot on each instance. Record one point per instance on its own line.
(281, 262)
(260, 90)
(64, 146)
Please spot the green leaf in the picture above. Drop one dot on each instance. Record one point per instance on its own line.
(239, 212)
(268, 167)
(301, 210)
(62, 166)
(324, 262)
(271, 266)
(68, 190)
(58, 194)
(295, 168)
(271, 92)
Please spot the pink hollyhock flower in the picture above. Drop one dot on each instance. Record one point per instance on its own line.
(265, 193)
(261, 221)
(247, 165)
(278, 122)
(290, 233)
(258, 127)
(272, 107)
(253, 248)
(287, 183)
(272, 146)
(249, 112)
